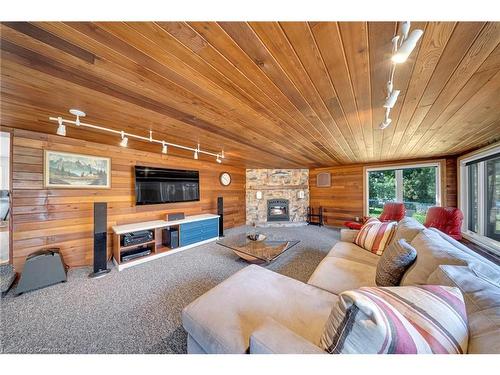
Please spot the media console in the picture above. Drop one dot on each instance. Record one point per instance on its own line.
(148, 242)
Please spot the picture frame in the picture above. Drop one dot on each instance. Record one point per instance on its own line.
(65, 170)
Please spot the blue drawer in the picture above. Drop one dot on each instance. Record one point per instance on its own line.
(187, 235)
(190, 241)
(210, 223)
(197, 231)
(193, 225)
(211, 233)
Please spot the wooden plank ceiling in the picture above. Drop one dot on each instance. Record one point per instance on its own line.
(271, 94)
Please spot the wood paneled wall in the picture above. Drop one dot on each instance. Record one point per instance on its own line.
(63, 218)
(343, 201)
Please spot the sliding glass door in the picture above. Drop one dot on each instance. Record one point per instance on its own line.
(492, 204)
(416, 186)
(480, 197)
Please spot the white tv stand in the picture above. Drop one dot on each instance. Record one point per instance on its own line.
(193, 231)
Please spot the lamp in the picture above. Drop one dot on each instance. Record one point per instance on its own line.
(385, 124)
(218, 159)
(164, 148)
(259, 195)
(405, 28)
(61, 129)
(124, 141)
(407, 47)
(78, 114)
(391, 100)
(300, 194)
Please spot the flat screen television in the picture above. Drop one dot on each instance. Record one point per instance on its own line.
(159, 185)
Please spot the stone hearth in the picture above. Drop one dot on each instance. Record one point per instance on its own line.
(276, 184)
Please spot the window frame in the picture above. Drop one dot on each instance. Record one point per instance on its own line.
(464, 199)
(399, 191)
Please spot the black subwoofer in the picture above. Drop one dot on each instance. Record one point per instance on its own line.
(100, 239)
(220, 212)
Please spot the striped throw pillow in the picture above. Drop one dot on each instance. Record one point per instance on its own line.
(398, 320)
(375, 236)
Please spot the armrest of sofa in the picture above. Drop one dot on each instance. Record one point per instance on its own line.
(274, 338)
(348, 235)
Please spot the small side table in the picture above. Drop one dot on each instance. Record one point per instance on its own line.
(315, 218)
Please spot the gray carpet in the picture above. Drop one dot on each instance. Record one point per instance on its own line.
(138, 310)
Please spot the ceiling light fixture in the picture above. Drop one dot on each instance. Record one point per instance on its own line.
(78, 114)
(402, 46)
(385, 123)
(407, 47)
(391, 100)
(124, 141)
(61, 130)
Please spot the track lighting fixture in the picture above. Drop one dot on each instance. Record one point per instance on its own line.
(407, 47)
(402, 46)
(124, 141)
(385, 123)
(78, 114)
(405, 29)
(391, 99)
(61, 129)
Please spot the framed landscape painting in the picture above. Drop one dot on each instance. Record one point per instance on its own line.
(67, 170)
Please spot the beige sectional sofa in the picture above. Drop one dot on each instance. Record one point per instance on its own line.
(260, 311)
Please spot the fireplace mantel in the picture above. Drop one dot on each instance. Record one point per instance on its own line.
(280, 187)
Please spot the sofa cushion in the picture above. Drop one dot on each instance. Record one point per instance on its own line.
(408, 228)
(272, 338)
(433, 251)
(482, 302)
(337, 275)
(375, 236)
(222, 320)
(424, 319)
(478, 263)
(394, 262)
(350, 251)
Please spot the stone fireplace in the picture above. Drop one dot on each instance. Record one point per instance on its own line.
(277, 210)
(277, 196)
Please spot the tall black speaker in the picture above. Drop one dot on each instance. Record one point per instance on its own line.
(220, 212)
(100, 239)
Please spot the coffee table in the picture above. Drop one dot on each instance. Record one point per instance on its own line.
(257, 251)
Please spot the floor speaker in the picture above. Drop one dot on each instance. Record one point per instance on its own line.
(220, 212)
(100, 239)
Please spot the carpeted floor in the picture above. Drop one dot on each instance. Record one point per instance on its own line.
(138, 310)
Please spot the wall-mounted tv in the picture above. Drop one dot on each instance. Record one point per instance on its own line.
(158, 185)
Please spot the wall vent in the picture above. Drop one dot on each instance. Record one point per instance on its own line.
(324, 179)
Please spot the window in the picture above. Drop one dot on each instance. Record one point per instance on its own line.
(480, 197)
(417, 186)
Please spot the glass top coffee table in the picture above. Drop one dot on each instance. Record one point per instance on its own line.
(266, 250)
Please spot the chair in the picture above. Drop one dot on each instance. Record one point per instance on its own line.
(447, 219)
(392, 211)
